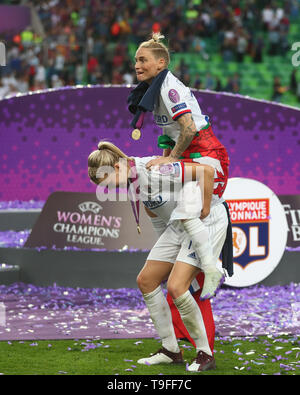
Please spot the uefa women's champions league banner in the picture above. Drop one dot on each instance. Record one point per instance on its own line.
(47, 136)
(71, 220)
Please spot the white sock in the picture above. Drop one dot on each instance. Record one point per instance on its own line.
(161, 316)
(201, 243)
(193, 321)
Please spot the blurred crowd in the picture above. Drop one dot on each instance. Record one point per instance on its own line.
(88, 41)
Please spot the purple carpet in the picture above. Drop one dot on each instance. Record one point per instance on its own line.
(36, 313)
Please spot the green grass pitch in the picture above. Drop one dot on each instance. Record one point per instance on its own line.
(234, 356)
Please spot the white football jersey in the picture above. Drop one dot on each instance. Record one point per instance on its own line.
(176, 99)
(163, 192)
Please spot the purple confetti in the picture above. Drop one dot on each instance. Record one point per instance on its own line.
(21, 205)
(55, 312)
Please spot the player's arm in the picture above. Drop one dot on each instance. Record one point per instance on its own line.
(187, 133)
(166, 152)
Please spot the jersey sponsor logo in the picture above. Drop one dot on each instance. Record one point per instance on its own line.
(152, 204)
(161, 119)
(173, 95)
(178, 107)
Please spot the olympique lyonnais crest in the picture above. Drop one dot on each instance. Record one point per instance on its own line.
(250, 230)
(259, 230)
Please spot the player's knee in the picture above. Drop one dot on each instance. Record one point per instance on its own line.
(176, 289)
(144, 283)
(140, 281)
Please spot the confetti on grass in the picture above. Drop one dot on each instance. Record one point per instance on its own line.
(55, 312)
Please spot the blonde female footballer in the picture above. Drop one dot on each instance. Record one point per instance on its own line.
(186, 133)
(173, 194)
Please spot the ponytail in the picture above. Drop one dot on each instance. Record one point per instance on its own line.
(107, 155)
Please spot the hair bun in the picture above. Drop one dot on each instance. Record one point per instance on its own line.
(156, 37)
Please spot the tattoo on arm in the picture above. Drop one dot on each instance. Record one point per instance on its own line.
(187, 133)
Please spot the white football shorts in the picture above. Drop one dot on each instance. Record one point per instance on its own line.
(175, 245)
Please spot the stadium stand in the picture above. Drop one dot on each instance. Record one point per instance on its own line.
(242, 47)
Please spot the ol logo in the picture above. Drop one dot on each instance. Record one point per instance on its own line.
(250, 230)
(259, 230)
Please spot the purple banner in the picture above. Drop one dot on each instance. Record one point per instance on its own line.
(77, 220)
(14, 19)
(46, 138)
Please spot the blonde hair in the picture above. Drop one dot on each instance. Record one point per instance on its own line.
(158, 49)
(107, 155)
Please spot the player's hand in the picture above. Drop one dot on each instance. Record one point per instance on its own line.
(204, 212)
(160, 160)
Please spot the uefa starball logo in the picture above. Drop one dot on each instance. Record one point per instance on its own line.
(259, 230)
(2, 54)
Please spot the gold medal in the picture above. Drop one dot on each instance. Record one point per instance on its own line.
(138, 229)
(136, 134)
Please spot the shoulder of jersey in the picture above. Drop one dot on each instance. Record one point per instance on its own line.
(172, 82)
(142, 161)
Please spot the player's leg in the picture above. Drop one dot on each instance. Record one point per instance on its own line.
(157, 268)
(206, 311)
(153, 274)
(149, 281)
(185, 270)
(216, 224)
(178, 286)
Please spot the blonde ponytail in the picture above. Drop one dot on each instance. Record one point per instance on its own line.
(107, 155)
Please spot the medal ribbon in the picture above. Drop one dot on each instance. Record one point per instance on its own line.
(135, 203)
(140, 121)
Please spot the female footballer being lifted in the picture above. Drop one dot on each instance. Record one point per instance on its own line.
(187, 133)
